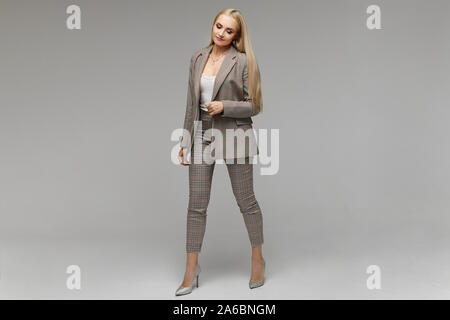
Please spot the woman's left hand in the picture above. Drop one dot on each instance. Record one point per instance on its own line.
(214, 107)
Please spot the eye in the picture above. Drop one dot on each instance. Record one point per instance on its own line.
(220, 27)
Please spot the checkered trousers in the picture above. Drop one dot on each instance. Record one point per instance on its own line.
(200, 178)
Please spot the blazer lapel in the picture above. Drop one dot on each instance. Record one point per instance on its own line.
(198, 74)
(227, 63)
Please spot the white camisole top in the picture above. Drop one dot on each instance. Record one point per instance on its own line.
(206, 89)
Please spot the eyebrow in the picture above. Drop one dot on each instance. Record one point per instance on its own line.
(227, 28)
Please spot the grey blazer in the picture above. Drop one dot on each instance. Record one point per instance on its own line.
(230, 87)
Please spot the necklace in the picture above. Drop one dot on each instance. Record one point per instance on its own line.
(217, 59)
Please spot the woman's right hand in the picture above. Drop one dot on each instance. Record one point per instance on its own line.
(182, 156)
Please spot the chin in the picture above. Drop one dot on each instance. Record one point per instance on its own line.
(220, 43)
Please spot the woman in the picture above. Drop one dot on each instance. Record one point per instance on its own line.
(224, 92)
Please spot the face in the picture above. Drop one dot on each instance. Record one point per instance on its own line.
(224, 30)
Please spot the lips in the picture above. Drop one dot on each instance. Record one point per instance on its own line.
(219, 39)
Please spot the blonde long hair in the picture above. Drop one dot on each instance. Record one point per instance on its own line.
(243, 44)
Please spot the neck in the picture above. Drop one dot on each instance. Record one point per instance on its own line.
(218, 51)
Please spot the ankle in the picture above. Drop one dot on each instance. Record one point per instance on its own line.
(192, 259)
(191, 264)
(257, 260)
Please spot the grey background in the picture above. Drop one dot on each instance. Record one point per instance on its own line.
(86, 177)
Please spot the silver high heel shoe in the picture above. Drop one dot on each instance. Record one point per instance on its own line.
(255, 284)
(185, 290)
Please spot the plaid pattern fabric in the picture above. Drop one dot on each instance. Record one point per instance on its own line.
(200, 178)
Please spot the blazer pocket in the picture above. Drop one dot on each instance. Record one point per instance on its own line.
(242, 121)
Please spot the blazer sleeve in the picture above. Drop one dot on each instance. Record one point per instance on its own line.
(240, 109)
(184, 139)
